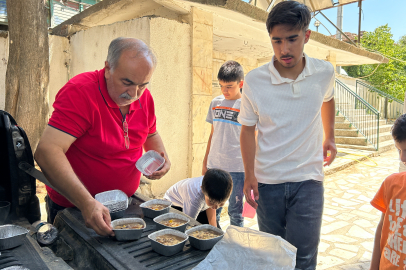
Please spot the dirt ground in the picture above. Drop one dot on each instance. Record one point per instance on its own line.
(41, 191)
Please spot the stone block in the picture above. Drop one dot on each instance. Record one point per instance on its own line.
(199, 150)
(201, 16)
(219, 55)
(202, 31)
(331, 57)
(202, 53)
(200, 128)
(202, 81)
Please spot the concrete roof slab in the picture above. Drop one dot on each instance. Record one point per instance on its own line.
(238, 27)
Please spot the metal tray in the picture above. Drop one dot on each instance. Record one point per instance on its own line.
(204, 244)
(154, 213)
(15, 267)
(11, 236)
(114, 200)
(180, 228)
(150, 162)
(167, 250)
(128, 234)
(117, 215)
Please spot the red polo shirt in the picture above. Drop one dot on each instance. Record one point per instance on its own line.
(84, 109)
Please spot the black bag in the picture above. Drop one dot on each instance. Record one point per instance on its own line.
(16, 186)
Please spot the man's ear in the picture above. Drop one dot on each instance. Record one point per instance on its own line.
(307, 35)
(241, 84)
(107, 70)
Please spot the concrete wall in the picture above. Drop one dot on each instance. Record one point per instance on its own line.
(170, 85)
(58, 47)
(59, 59)
(171, 88)
(349, 81)
(3, 68)
(219, 58)
(88, 49)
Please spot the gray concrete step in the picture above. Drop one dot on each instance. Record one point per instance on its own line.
(384, 136)
(352, 140)
(383, 146)
(355, 133)
(361, 117)
(347, 125)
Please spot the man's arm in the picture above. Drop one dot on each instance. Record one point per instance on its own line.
(154, 142)
(204, 169)
(50, 156)
(376, 253)
(328, 118)
(211, 216)
(247, 142)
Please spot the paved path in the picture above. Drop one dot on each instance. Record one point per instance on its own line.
(349, 221)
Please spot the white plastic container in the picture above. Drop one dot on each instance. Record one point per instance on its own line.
(150, 162)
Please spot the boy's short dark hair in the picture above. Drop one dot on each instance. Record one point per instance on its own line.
(217, 185)
(399, 129)
(290, 13)
(231, 71)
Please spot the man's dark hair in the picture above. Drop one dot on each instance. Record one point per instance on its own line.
(217, 185)
(231, 71)
(399, 129)
(290, 13)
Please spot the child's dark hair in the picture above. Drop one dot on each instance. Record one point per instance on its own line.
(290, 13)
(399, 129)
(231, 71)
(217, 185)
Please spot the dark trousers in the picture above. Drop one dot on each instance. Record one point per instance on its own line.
(52, 209)
(293, 211)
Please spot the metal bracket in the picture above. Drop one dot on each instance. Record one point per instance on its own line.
(31, 170)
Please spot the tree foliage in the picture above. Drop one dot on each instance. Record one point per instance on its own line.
(391, 77)
(402, 41)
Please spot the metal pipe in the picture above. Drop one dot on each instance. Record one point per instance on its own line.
(339, 21)
(359, 22)
(352, 42)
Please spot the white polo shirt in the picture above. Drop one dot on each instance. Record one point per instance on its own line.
(288, 118)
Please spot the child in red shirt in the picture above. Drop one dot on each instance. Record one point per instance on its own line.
(390, 237)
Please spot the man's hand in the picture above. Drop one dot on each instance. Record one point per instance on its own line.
(161, 172)
(329, 145)
(97, 217)
(251, 183)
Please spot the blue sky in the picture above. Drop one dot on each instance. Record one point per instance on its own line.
(375, 14)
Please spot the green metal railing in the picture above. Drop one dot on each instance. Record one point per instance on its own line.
(364, 117)
(389, 107)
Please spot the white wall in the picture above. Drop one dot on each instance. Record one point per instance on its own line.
(89, 48)
(58, 66)
(170, 85)
(171, 88)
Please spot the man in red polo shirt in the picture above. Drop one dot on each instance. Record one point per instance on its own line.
(102, 122)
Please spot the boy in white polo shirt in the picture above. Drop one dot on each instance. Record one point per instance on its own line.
(290, 101)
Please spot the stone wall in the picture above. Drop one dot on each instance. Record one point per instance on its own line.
(202, 53)
(219, 58)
